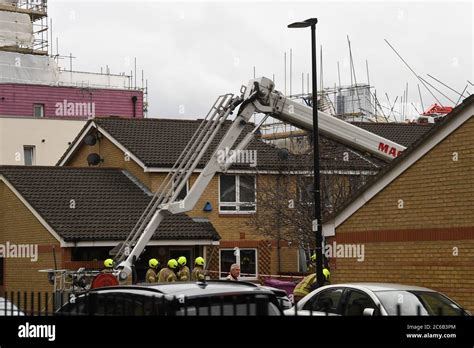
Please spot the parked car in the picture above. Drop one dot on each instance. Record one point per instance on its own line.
(9, 309)
(373, 299)
(176, 299)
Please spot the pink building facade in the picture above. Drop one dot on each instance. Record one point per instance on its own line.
(68, 102)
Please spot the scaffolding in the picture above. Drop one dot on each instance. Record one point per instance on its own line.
(20, 20)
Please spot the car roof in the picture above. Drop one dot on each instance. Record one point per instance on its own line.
(213, 287)
(383, 287)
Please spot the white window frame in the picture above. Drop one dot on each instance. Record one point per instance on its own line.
(33, 154)
(227, 271)
(236, 204)
(42, 110)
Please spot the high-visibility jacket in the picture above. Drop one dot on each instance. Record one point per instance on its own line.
(150, 276)
(198, 273)
(304, 287)
(166, 275)
(184, 274)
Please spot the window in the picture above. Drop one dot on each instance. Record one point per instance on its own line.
(1, 271)
(327, 301)
(29, 155)
(357, 302)
(305, 189)
(248, 262)
(237, 193)
(38, 110)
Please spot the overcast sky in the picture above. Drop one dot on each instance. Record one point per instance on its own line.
(192, 52)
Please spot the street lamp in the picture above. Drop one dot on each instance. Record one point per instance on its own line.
(317, 228)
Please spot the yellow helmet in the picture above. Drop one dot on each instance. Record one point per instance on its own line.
(313, 258)
(326, 274)
(199, 261)
(182, 261)
(109, 263)
(172, 263)
(153, 263)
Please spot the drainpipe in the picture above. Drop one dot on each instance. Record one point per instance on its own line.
(134, 100)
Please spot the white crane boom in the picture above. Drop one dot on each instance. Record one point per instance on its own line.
(259, 96)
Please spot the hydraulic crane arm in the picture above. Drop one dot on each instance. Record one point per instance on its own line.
(259, 96)
(275, 104)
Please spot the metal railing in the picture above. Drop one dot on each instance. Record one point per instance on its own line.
(130, 303)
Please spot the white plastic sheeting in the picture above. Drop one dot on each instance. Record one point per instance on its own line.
(26, 68)
(86, 79)
(43, 70)
(16, 29)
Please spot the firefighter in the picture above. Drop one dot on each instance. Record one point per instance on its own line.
(151, 276)
(167, 274)
(307, 285)
(198, 273)
(109, 266)
(184, 274)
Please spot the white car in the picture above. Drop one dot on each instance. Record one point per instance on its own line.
(8, 309)
(370, 299)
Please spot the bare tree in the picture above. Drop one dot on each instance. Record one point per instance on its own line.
(285, 201)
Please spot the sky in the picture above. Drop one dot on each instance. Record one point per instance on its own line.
(192, 52)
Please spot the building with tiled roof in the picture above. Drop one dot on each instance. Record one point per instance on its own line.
(415, 218)
(84, 213)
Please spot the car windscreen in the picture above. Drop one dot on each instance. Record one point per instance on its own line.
(402, 302)
(235, 305)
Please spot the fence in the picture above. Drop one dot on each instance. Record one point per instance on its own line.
(139, 302)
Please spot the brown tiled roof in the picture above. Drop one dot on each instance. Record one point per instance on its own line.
(107, 203)
(402, 133)
(159, 142)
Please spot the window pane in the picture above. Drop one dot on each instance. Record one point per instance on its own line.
(1, 270)
(247, 188)
(28, 152)
(227, 188)
(357, 303)
(327, 301)
(248, 264)
(227, 259)
(247, 207)
(305, 189)
(39, 110)
(228, 207)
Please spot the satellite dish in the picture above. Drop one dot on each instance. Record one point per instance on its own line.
(90, 139)
(93, 159)
(283, 154)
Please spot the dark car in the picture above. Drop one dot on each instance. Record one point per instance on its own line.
(176, 299)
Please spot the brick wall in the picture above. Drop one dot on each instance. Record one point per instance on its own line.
(18, 225)
(430, 242)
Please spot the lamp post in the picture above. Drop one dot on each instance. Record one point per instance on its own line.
(317, 228)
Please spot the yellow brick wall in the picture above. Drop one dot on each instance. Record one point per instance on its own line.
(438, 194)
(18, 225)
(288, 259)
(436, 191)
(431, 264)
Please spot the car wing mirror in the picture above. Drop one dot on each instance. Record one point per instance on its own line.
(368, 312)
